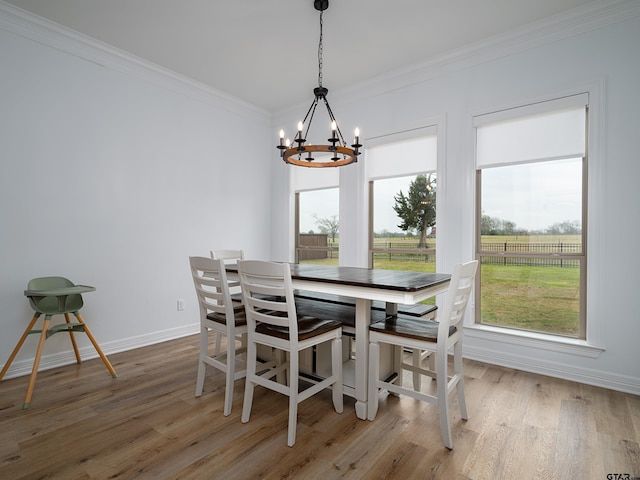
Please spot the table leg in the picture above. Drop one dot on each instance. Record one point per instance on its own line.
(391, 308)
(363, 318)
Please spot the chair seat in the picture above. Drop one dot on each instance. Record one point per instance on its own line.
(240, 317)
(307, 327)
(402, 326)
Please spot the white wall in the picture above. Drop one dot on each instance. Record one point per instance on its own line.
(598, 53)
(112, 174)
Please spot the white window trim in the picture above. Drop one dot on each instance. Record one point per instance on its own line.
(593, 345)
(534, 340)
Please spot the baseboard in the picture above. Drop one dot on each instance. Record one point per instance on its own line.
(54, 360)
(622, 383)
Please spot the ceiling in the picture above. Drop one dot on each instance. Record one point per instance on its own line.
(265, 52)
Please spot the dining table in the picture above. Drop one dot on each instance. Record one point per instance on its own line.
(364, 285)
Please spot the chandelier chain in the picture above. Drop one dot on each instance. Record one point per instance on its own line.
(320, 53)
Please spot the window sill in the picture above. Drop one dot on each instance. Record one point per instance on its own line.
(534, 340)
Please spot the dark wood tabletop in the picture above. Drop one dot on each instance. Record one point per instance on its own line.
(399, 280)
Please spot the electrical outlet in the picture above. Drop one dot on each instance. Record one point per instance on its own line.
(180, 304)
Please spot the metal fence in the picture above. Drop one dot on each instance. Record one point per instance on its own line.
(526, 254)
(513, 247)
(497, 253)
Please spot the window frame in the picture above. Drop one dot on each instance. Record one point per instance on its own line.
(420, 132)
(543, 106)
(297, 247)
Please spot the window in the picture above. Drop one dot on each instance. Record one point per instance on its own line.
(402, 199)
(531, 217)
(317, 215)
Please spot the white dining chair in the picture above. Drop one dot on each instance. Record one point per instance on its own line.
(225, 318)
(229, 257)
(438, 336)
(273, 322)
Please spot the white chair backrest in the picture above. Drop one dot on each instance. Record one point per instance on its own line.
(457, 297)
(268, 295)
(228, 256)
(210, 280)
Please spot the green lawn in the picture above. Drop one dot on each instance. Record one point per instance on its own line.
(543, 299)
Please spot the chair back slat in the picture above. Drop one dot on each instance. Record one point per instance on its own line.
(267, 294)
(457, 297)
(228, 256)
(210, 281)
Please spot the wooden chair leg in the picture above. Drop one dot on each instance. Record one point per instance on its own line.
(105, 360)
(18, 346)
(36, 362)
(73, 339)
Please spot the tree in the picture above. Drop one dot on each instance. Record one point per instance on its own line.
(568, 227)
(497, 226)
(417, 209)
(488, 225)
(330, 226)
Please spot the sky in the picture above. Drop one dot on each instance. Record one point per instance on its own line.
(324, 204)
(507, 195)
(535, 195)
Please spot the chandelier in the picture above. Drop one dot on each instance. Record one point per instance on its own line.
(302, 154)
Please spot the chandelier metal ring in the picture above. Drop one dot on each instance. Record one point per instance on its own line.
(348, 156)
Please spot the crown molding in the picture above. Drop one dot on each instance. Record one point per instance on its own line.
(574, 22)
(30, 26)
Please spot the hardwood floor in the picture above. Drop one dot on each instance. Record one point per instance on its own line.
(82, 424)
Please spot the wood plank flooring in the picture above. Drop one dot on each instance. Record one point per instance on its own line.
(82, 424)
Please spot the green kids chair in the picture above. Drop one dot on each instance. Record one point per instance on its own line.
(54, 296)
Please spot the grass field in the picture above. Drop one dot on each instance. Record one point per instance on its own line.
(544, 299)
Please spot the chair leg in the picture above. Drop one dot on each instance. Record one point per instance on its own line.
(443, 400)
(36, 362)
(218, 346)
(230, 376)
(204, 352)
(105, 360)
(398, 359)
(249, 385)
(374, 375)
(417, 378)
(73, 339)
(336, 371)
(457, 363)
(293, 397)
(18, 346)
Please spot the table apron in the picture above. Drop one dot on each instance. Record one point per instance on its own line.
(371, 293)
